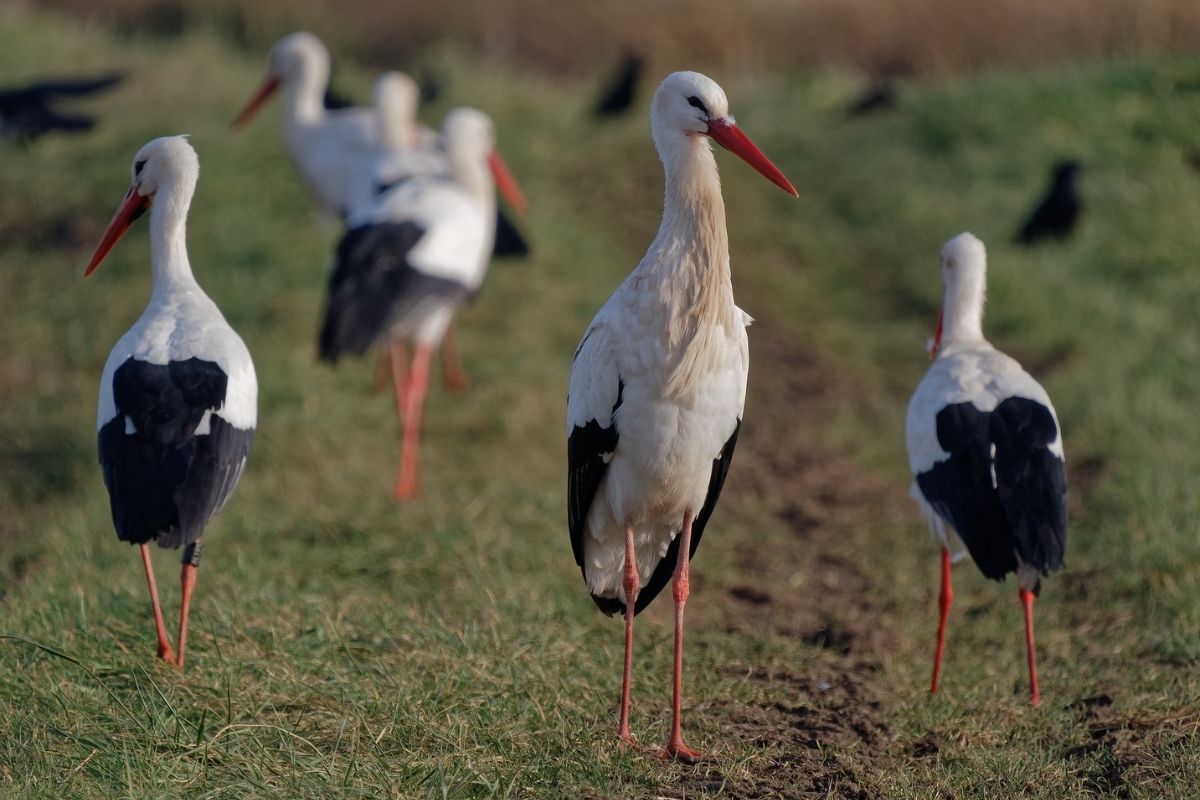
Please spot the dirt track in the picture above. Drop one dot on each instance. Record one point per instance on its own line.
(821, 733)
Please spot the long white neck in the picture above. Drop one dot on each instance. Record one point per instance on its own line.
(304, 91)
(689, 257)
(468, 165)
(396, 100)
(962, 307)
(168, 241)
(470, 171)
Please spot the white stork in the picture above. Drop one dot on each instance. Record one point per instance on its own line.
(330, 149)
(411, 260)
(178, 397)
(658, 383)
(986, 452)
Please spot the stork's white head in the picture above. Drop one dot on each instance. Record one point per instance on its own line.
(470, 137)
(964, 286)
(689, 104)
(295, 53)
(167, 165)
(294, 57)
(166, 160)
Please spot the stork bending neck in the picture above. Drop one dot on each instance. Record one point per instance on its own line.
(168, 240)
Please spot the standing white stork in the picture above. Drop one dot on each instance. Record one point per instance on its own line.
(985, 451)
(178, 397)
(330, 149)
(411, 260)
(658, 384)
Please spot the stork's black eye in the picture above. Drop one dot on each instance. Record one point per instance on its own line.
(695, 102)
(137, 168)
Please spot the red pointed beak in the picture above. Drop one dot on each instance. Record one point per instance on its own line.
(725, 133)
(505, 182)
(132, 207)
(265, 91)
(937, 338)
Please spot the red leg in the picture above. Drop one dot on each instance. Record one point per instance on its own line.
(675, 747)
(632, 583)
(399, 367)
(452, 371)
(160, 627)
(187, 580)
(944, 600)
(407, 483)
(1035, 697)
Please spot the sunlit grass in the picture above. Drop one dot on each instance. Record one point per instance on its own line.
(347, 645)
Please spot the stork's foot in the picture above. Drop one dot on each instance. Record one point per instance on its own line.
(678, 751)
(166, 653)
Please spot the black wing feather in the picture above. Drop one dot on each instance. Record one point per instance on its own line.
(1031, 481)
(373, 285)
(165, 482)
(961, 492)
(1023, 511)
(73, 87)
(587, 447)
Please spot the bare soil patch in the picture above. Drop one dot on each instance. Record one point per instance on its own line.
(822, 734)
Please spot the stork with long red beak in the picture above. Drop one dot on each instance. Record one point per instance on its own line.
(178, 397)
(330, 149)
(410, 261)
(986, 452)
(658, 385)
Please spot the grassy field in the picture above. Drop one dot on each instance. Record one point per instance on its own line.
(344, 645)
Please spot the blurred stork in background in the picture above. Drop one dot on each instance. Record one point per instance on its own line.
(410, 260)
(337, 151)
(329, 148)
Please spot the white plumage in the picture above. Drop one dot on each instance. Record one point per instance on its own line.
(331, 150)
(986, 450)
(658, 384)
(177, 404)
(411, 259)
(669, 439)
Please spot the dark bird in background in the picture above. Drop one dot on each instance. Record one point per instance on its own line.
(1057, 213)
(432, 83)
(622, 90)
(880, 96)
(28, 112)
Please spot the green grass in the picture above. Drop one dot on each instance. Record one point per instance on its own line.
(344, 645)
